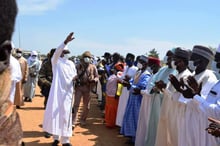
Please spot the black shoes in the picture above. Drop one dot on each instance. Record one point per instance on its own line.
(55, 143)
(27, 99)
(66, 144)
(47, 135)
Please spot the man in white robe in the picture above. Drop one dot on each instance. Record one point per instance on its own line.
(207, 106)
(201, 57)
(167, 131)
(187, 116)
(58, 113)
(16, 76)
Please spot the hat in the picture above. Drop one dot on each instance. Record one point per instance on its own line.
(66, 50)
(87, 54)
(143, 58)
(218, 49)
(182, 53)
(153, 60)
(34, 53)
(203, 51)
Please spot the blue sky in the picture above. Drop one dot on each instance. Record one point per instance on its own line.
(123, 26)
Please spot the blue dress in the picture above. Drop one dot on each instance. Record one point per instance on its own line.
(130, 121)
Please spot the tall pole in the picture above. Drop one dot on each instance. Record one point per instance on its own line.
(19, 35)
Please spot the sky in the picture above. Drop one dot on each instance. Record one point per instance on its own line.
(123, 26)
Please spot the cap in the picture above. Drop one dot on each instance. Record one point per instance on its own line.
(182, 53)
(153, 60)
(203, 51)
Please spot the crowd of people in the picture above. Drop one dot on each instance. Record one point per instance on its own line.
(154, 102)
(170, 103)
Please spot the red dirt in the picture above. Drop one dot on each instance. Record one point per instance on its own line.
(94, 133)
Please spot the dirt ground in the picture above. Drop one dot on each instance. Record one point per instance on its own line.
(94, 133)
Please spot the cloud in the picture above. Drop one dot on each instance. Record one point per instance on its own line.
(35, 7)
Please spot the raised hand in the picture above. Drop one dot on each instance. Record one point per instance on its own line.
(69, 38)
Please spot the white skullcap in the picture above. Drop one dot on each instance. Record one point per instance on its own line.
(34, 53)
(218, 49)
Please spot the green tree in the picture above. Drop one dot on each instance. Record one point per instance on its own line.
(153, 53)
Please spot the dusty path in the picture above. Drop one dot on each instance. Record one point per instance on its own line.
(93, 134)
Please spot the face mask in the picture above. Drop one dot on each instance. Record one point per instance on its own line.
(173, 64)
(149, 69)
(165, 59)
(139, 65)
(18, 55)
(65, 56)
(87, 60)
(191, 66)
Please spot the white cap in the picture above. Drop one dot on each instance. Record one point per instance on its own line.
(218, 49)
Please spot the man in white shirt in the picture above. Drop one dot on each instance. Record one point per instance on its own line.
(208, 106)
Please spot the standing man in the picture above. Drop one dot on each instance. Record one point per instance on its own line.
(128, 73)
(208, 107)
(87, 77)
(171, 108)
(135, 85)
(57, 116)
(45, 76)
(33, 67)
(19, 92)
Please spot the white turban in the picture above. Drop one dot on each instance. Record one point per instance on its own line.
(34, 53)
